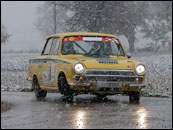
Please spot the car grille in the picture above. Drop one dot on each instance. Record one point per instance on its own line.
(111, 72)
(111, 75)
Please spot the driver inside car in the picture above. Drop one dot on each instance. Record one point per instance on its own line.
(68, 48)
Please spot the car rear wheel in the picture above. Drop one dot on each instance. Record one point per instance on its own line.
(65, 89)
(40, 94)
(134, 96)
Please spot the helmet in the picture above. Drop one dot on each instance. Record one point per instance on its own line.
(68, 47)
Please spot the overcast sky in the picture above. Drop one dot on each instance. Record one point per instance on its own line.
(19, 18)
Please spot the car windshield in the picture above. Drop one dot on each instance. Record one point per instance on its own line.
(91, 46)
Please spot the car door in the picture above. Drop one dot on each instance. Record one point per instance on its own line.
(53, 64)
(46, 64)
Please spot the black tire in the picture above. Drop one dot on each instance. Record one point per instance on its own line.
(101, 97)
(65, 89)
(134, 97)
(40, 94)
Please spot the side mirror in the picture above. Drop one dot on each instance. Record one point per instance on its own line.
(129, 55)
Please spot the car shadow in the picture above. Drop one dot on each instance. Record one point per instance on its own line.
(86, 99)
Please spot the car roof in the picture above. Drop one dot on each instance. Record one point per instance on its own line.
(81, 34)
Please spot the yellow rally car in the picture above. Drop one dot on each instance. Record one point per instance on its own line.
(81, 63)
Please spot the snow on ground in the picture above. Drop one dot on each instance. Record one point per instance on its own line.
(14, 67)
(14, 70)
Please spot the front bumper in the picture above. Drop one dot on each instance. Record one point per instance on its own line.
(111, 80)
(94, 87)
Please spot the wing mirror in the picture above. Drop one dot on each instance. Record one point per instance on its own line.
(129, 55)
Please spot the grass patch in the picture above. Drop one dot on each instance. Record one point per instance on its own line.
(5, 106)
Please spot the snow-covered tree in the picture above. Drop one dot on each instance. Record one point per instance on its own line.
(115, 17)
(52, 16)
(4, 34)
(158, 22)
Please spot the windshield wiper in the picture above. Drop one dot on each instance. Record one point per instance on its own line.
(94, 52)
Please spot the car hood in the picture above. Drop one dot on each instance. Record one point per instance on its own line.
(112, 62)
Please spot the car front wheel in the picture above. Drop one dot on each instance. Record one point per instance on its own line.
(40, 94)
(65, 89)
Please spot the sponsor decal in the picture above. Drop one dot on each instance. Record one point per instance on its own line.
(128, 66)
(45, 81)
(92, 38)
(49, 75)
(71, 38)
(107, 61)
(49, 72)
(104, 39)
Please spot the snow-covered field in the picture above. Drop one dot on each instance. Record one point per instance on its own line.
(158, 74)
(14, 70)
(14, 67)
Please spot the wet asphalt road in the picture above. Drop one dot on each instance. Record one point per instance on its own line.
(85, 112)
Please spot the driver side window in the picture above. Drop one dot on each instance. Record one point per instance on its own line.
(47, 47)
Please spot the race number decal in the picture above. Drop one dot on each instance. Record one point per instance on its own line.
(45, 81)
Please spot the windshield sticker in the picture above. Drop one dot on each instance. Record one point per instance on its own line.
(71, 38)
(92, 38)
(110, 40)
(104, 39)
(68, 39)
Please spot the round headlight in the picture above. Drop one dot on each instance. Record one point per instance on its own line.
(78, 68)
(140, 69)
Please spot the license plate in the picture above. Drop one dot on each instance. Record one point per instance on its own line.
(102, 84)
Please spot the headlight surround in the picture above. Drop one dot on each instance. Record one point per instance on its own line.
(140, 69)
(79, 68)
